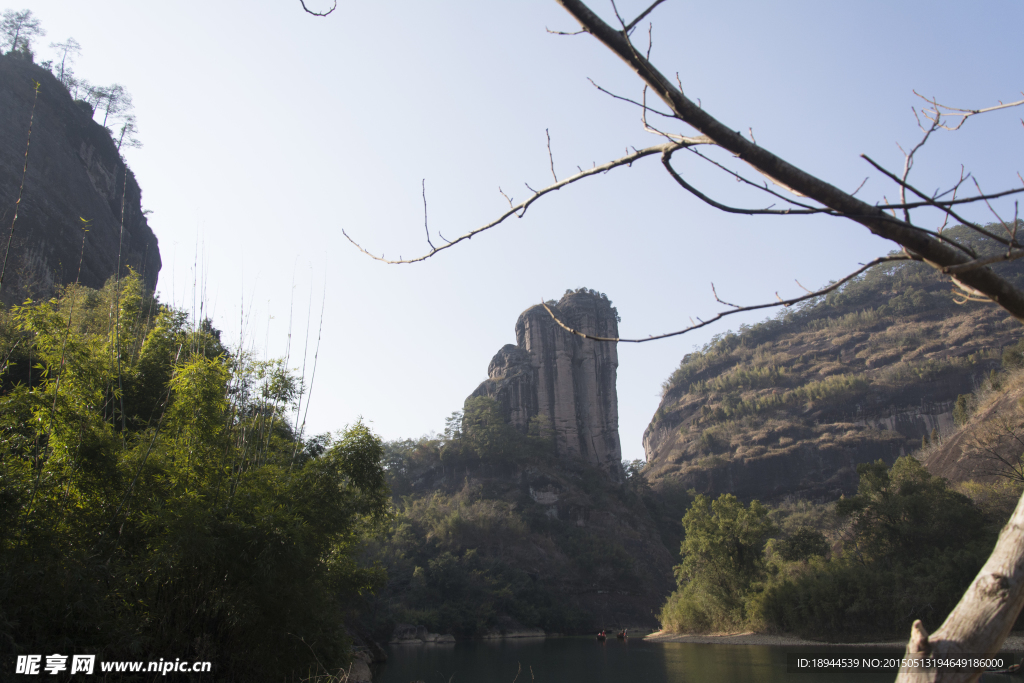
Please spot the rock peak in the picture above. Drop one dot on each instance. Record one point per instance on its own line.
(568, 379)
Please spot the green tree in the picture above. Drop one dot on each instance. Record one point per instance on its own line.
(19, 28)
(914, 549)
(153, 496)
(903, 513)
(803, 545)
(722, 563)
(69, 49)
(485, 431)
(634, 478)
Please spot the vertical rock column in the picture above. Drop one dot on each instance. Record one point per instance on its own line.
(569, 379)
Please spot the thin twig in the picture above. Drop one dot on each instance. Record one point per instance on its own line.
(719, 300)
(908, 163)
(117, 309)
(994, 213)
(764, 188)
(423, 185)
(956, 111)
(626, 99)
(564, 33)
(929, 201)
(551, 158)
(319, 14)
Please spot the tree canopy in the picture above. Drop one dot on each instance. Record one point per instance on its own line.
(154, 495)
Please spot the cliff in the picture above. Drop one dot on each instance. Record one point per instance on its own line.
(74, 173)
(987, 446)
(789, 407)
(567, 379)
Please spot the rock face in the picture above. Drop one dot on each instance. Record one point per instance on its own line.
(565, 378)
(74, 172)
(792, 410)
(987, 447)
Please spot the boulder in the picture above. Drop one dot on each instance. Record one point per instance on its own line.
(359, 671)
(405, 633)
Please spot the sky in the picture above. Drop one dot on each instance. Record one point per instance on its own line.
(267, 132)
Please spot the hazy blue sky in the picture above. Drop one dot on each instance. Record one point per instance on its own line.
(268, 131)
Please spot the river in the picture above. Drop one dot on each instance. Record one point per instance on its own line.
(584, 660)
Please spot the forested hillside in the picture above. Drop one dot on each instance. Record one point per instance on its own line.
(790, 406)
(493, 533)
(881, 425)
(905, 546)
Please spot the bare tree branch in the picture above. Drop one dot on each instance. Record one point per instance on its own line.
(999, 443)
(564, 33)
(643, 14)
(426, 227)
(319, 14)
(949, 212)
(941, 204)
(666, 159)
(551, 158)
(763, 187)
(520, 209)
(939, 110)
(904, 184)
(734, 308)
(981, 263)
(626, 99)
(932, 250)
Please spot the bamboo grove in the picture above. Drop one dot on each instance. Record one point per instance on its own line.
(155, 498)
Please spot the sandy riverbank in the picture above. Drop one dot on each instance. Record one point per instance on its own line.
(1015, 642)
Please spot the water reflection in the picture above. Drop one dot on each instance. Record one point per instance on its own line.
(584, 660)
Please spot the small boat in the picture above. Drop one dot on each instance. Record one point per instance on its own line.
(621, 635)
(601, 636)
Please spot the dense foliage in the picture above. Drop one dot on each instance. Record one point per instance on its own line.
(907, 548)
(723, 563)
(155, 501)
(473, 550)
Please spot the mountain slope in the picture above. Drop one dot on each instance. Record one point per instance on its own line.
(790, 406)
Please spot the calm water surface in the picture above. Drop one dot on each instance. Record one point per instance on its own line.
(584, 660)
